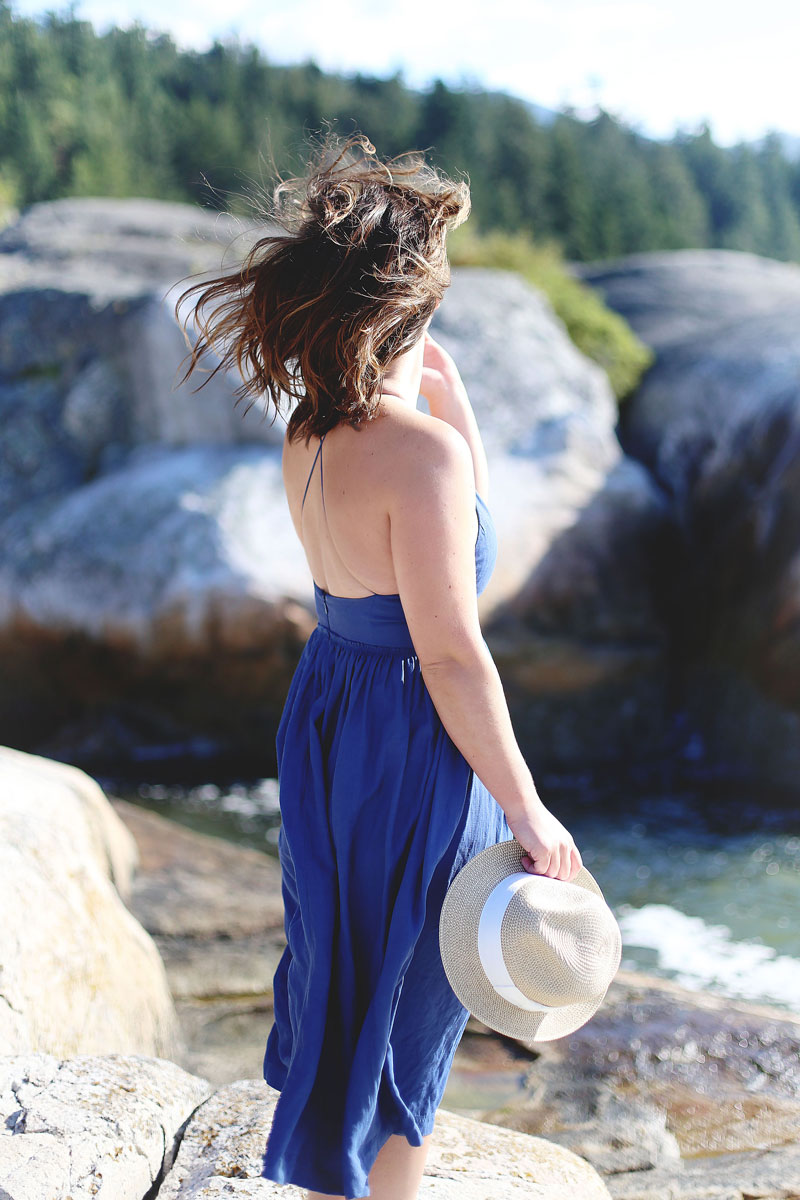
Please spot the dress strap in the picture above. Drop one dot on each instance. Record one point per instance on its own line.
(311, 472)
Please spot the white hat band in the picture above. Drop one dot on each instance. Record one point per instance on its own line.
(490, 949)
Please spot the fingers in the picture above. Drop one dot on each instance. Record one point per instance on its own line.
(562, 862)
(576, 862)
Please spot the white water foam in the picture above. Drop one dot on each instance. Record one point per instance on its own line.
(706, 957)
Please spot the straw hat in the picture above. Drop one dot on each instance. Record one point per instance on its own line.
(528, 955)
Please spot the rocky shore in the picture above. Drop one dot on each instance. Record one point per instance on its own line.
(89, 1119)
(665, 1094)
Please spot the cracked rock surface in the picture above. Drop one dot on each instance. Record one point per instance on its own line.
(221, 1150)
(92, 1125)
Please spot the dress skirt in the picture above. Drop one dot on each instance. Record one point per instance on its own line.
(379, 810)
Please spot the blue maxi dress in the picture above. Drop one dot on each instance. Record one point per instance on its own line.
(380, 811)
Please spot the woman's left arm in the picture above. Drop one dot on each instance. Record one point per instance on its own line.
(443, 388)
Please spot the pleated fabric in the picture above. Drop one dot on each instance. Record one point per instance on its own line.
(380, 810)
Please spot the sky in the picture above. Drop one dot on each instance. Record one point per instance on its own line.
(659, 66)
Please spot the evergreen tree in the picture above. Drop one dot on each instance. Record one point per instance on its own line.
(712, 169)
(748, 226)
(568, 200)
(680, 211)
(783, 210)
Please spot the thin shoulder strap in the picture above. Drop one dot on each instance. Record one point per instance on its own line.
(321, 476)
(311, 472)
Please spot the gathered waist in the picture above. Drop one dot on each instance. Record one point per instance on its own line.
(375, 620)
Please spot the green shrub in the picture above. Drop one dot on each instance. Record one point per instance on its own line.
(600, 333)
(9, 197)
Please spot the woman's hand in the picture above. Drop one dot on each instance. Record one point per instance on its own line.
(444, 389)
(441, 381)
(551, 849)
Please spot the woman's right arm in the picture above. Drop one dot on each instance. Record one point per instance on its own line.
(432, 529)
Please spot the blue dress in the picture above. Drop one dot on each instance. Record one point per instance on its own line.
(379, 810)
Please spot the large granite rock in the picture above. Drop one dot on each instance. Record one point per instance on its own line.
(89, 347)
(571, 613)
(128, 1127)
(79, 973)
(91, 1126)
(717, 421)
(153, 590)
(225, 1140)
(171, 587)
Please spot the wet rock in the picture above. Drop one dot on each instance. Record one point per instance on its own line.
(215, 912)
(668, 1092)
(90, 1125)
(193, 886)
(774, 1175)
(79, 973)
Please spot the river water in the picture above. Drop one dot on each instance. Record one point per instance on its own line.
(705, 883)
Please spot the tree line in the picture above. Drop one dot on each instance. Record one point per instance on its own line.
(128, 113)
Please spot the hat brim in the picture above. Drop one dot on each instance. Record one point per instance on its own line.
(458, 945)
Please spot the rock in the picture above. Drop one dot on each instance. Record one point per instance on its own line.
(717, 421)
(89, 358)
(92, 1125)
(505, 1165)
(534, 393)
(155, 597)
(670, 1092)
(195, 886)
(90, 348)
(774, 1175)
(571, 614)
(581, 645)
(215, 912)
(672, 296)
(226, 1136)
(171, 585)
(546, 415)
(79, 973)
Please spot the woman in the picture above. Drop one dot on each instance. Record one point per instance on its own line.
(397, 761)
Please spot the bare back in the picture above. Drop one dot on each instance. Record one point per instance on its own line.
(340, 493)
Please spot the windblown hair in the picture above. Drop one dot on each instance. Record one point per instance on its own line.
(319, 309)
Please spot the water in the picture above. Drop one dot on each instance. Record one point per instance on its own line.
(709, 910)
(705, 886)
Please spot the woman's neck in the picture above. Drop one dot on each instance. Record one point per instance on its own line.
(403, 377)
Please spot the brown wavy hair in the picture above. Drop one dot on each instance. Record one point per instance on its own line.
(319, 309)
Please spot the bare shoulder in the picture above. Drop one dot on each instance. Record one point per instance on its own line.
(423, 454)
(403, 456)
